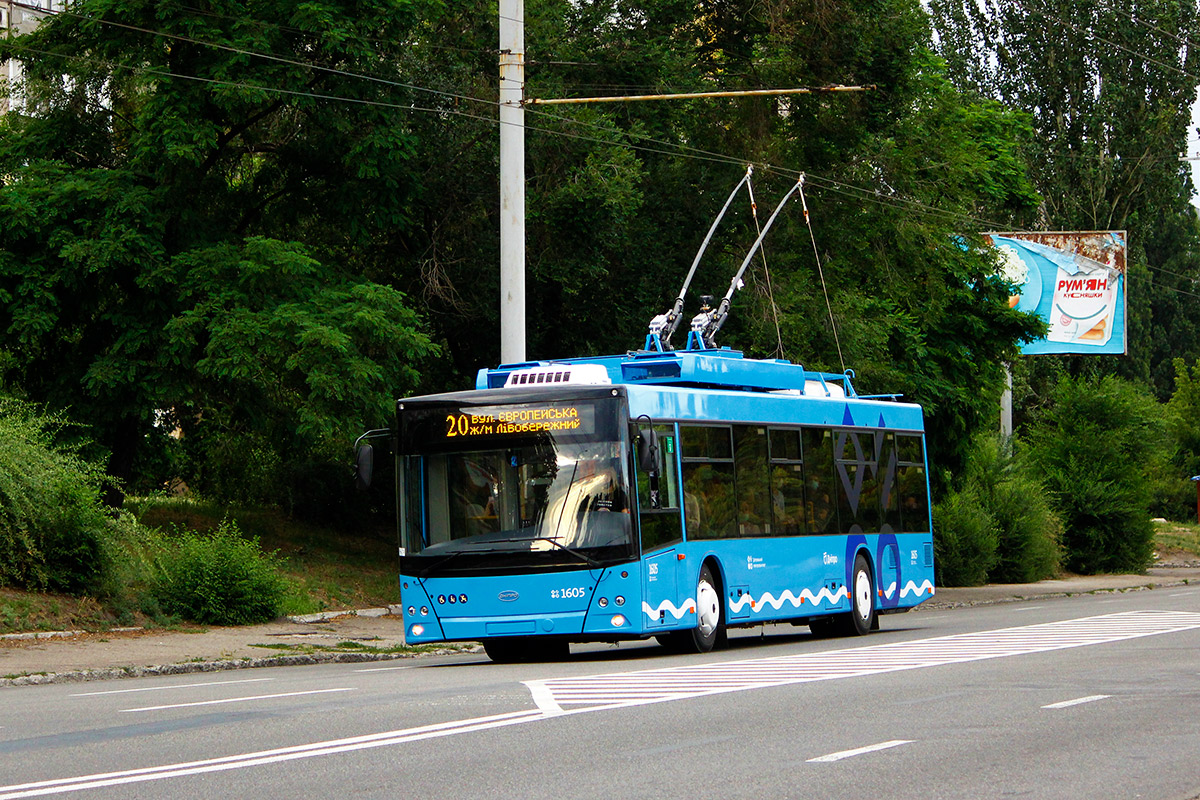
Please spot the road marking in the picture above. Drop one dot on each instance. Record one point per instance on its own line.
(858, 751)
(350, 744)
(1183, 594)
(231, 700)
(172, 686)
(384, 669)
(697, 680)
(846, 663)
(1079, 701)
(1028, 608)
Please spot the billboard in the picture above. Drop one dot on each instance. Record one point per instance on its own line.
(1075, 281)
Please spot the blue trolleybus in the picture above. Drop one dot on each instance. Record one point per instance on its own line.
(657, 494)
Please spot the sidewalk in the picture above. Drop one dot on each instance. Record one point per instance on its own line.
(133, 653)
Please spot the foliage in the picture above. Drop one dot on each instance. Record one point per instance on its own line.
(1028, 531)
(220, 578)
(965, 539)
(52, 523)
(997, 525)
(1096, 448)
(150, 258)
(1175, 493)
(1109, 89)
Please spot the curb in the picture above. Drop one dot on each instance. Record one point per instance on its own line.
(325, 616)
(81, 676)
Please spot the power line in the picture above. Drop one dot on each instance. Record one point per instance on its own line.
(676, 148)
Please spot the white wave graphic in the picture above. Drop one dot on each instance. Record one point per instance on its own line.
(912, 588)
(889, 590)
(776, 603)
(689, 607)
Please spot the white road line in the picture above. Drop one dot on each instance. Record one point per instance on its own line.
(231, 700)
(384, 669)
(60, 785)
(1183, 594)
(956, 649)
(172, 686)
(699, 680)
(1079, 701)
(858, 751)
(1028, 608)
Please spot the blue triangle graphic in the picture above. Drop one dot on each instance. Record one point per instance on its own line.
(881, 424)
(847, 419)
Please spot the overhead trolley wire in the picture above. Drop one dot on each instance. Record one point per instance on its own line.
(672, 148)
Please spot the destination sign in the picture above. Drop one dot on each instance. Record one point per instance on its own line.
(523, 419)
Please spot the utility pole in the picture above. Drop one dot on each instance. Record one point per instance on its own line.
(512, 181)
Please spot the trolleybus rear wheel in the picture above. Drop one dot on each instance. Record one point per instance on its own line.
(862, 599)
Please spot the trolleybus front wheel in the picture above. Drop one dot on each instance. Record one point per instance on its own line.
(710, 620)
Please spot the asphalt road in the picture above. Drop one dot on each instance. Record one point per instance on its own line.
(1079, 697)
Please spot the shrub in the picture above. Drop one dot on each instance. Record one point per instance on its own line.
(220, 578)
(1028, 532)
(965, 540)
(51, 517)
(1097, 446)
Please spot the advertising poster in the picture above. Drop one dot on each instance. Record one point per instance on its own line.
(1075, 280)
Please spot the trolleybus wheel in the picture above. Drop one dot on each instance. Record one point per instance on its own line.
(710, 621)
(862, 599)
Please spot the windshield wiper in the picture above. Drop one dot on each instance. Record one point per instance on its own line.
(582, 556)
(441, 561)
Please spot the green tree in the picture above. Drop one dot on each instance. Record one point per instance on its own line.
(1097, 447)
(148, 259)
(1108, 88)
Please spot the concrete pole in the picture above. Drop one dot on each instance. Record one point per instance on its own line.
(512, 181)
(1006, 403)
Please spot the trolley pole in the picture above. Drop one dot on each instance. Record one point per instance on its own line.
(512, 181)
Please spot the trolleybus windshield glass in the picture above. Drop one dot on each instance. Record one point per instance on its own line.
(529, 484)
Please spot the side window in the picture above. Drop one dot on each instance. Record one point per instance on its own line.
(910, 483)
(709, 505)
(752, 479)
(858, 481)
(819, 490)
(660, 526)
(889, 494)
(787, 482)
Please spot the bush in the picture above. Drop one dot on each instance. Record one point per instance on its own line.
(965, 540)
(1028, 532)
(1097, 447)
(220, 578)
(52, 521)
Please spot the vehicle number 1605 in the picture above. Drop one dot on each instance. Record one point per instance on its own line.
(564, 594)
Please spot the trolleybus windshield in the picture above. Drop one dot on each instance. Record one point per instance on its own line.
(536, 485)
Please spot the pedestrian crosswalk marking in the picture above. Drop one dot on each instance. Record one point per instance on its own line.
(557, 695)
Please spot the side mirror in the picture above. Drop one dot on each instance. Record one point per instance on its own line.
(364, 466)
(647, 451)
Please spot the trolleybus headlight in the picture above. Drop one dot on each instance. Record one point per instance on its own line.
(620, 600)
(462, 598)
(412, 611)
(417, 630)
(618, 620)
(603, 602)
